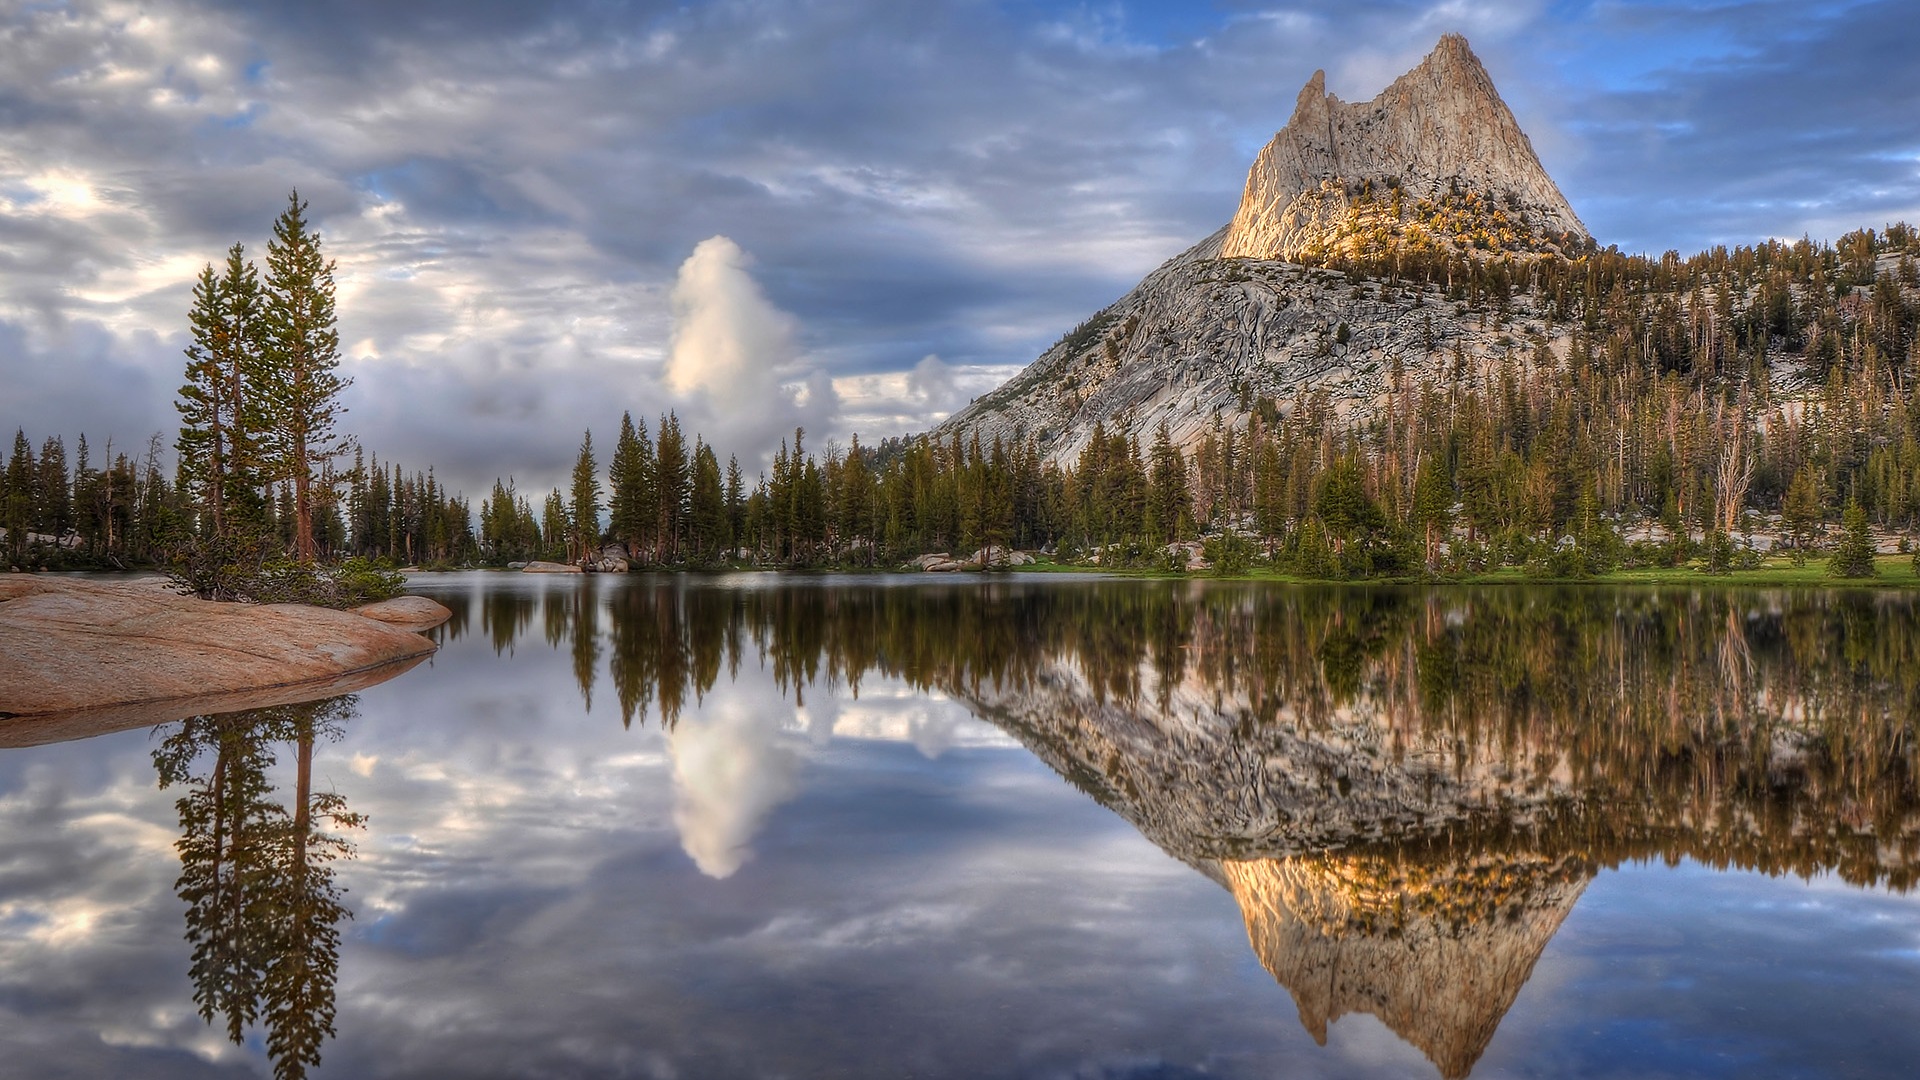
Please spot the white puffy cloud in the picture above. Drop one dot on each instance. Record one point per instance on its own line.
(734, 366)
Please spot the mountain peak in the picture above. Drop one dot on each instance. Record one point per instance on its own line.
(1437, 952)
(1313, 97)
(1452, 48)
(1450, 71)
(1440, 137)
(1432, 170)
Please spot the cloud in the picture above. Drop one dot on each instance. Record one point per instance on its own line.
(931, 382)
(512, 189)
(734, 365)
(81, 378)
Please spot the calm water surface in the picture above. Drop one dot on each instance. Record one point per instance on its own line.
(759, 827)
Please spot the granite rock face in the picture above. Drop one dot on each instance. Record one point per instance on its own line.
(1300, 821)
(1436, 162)
(1440, 130)
(1203, 340)
(415, 613)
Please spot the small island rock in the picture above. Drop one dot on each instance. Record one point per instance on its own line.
(414, 613)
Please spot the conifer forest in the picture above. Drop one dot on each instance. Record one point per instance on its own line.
(1771, 390)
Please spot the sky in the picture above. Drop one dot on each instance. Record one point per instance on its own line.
(846, 215)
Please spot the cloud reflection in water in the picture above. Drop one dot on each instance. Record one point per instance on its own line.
(530, 896)
(731, 768)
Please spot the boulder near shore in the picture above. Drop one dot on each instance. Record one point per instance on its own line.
(103, 655)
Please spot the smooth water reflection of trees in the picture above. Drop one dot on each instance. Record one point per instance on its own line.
(263, 909)
(1793, 709)
(1406, 790)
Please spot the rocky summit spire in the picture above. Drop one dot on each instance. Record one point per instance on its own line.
(1432, 172)
(1437, 158)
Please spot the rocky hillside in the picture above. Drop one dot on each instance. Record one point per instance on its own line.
(1204, 340)
(1435, 167)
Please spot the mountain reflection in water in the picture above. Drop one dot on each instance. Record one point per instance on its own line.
(1405, 790)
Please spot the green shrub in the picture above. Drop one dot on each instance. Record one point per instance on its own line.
(1312, 556)
(217, 568)
(256, 572)
(1230, 553)
(1466, 557)
(1640, 554)
(1562, 560)
(1602, 548)
(367, 581)
(1718, 552)
(1853, 557)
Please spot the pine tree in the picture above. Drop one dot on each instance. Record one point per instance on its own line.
(1853, 558)
(856, 504)
(583, 510)
(671, 484)
(707, 507)
(17, 504)
(55, 490)
(1168, 501)
(631, 474)
(301, 384)
(736, 505)
(1432, 503)
(1801, 508)
(220, 418)
(1343, 503)
(555, 525)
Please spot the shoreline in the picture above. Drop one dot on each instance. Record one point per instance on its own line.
(1895, 574)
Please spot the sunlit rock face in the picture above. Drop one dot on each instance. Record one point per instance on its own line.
(1439, 133)
(1433, 170)
(1437, 952)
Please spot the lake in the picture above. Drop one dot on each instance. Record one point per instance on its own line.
(767, 826)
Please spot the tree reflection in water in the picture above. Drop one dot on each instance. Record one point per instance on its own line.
(263, 909)
(1406, 790)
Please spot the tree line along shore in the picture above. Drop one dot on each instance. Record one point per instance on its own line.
(1712, 411)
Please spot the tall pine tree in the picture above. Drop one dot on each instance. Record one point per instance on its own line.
(583, 510)
(301, 384)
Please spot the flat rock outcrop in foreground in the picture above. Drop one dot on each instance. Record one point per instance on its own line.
(128, 653)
